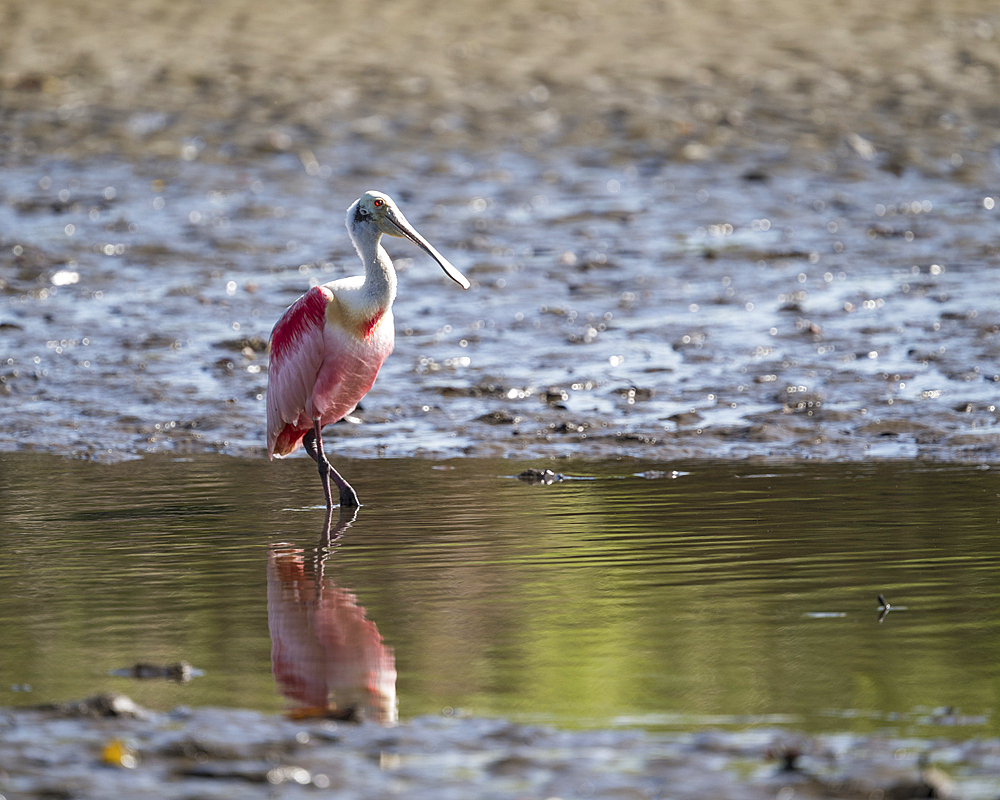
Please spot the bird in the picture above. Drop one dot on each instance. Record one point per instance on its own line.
(327, 348)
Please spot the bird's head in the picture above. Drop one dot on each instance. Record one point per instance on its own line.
(375, 213)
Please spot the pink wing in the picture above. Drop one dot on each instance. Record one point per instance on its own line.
(319, 371)
(297, 346)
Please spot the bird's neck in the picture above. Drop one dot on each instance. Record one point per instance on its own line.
(379, 288)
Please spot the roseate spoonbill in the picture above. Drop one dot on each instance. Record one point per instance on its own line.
(327, 348)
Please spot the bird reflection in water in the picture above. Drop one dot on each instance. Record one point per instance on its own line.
(325, 655)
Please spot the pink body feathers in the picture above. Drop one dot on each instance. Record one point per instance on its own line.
(320, 371)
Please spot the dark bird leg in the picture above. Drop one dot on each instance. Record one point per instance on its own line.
(309, 443)
(313, 443)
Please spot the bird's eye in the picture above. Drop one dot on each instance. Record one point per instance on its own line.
(379, 203)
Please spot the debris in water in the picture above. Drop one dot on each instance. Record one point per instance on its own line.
(181, 672)
(119, 753)
(110, 704)
(659, 474)
(541, 477)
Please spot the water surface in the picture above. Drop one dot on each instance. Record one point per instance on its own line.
(733, 593)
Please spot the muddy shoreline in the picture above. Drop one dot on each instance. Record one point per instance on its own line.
(844, 320)
(215, 752)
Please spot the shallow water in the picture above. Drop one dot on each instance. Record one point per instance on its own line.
(731, 594)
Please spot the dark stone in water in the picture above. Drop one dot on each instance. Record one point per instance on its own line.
(497, 418)
(555, 397)
(542, 477)
(634, 393)
(255, 343)
(569, 427)
(685, 418)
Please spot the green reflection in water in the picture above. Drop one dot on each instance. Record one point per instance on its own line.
(738, 593)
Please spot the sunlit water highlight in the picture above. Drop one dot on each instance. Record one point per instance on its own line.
(734, 594)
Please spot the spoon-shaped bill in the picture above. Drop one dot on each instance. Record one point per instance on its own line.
(398, 226)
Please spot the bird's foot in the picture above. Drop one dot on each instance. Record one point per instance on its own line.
(348, 497)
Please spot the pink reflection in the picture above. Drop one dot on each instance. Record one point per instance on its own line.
(325, 655)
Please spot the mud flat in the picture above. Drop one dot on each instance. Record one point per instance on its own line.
(692, 312)
(221, 753)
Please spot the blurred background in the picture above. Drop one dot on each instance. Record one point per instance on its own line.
(670, 79)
